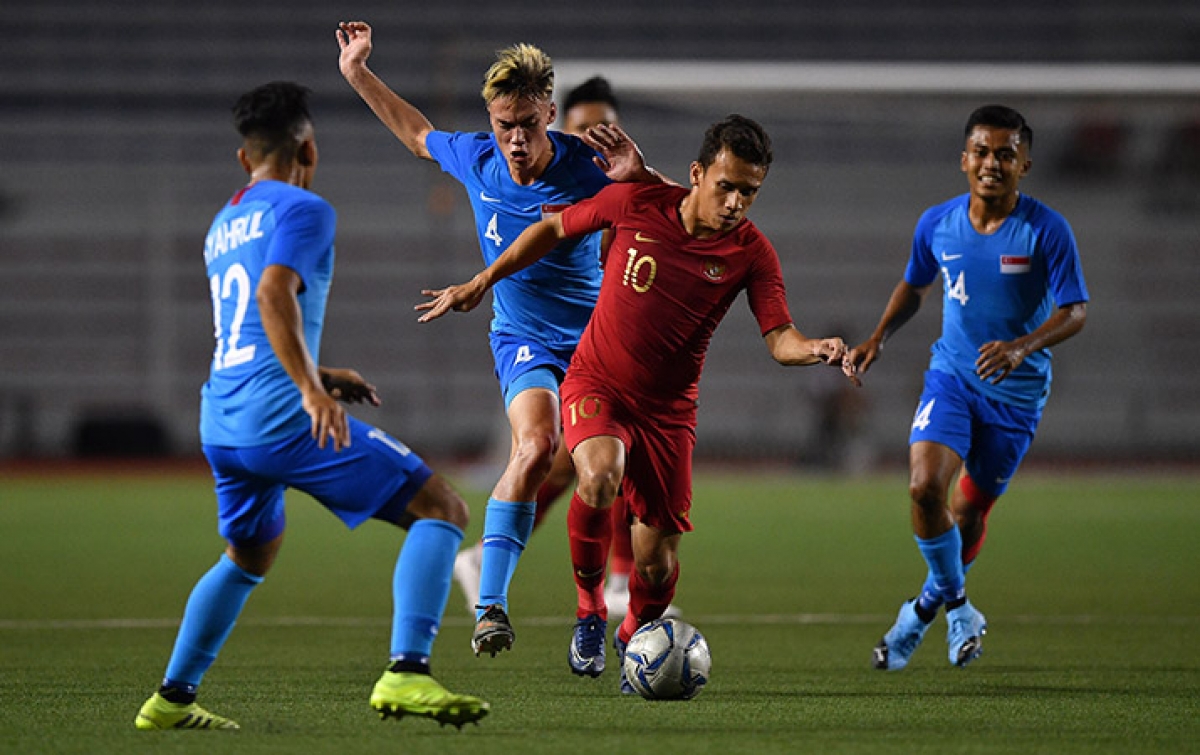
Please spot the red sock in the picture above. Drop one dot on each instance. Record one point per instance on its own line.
(981, 501)
(620, 560)
(547, 494)
(646, 601)
(590, 531)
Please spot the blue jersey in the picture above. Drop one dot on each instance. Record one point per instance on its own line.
(551, 300)
(249, 398)
(996, 287)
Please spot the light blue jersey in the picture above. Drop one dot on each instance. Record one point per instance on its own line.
(551, 300)
(249, 399)
(996, 287)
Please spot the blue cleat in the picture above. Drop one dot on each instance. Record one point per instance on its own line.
(964, 634)
(901, 641)
(626, 687)
(587, 646)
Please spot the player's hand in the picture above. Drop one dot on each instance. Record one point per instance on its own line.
(348, 386)
(461, 298)
(620, 158)
(832, 351)
(862, 356)
(997, 359)
(329, 421)
(354, 40)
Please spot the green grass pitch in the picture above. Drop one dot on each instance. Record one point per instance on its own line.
(1091, 585)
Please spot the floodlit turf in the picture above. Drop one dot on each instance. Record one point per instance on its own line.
(1091, 585)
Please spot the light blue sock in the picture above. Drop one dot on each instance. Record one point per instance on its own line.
(506, 529)
(421, 586)
(930, 598)
(212, 609)
(945, 581)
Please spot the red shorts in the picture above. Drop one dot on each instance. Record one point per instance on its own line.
(658, 450)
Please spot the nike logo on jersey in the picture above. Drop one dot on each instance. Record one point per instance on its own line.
(483, 195)
(639, 236)
(946, 257)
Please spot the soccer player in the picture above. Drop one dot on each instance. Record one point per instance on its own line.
(515, 175)
(1012, 288)
(270, 420)
(679, 258)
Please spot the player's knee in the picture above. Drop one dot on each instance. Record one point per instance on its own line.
(534, 454)
(598, 486)
(927, 491)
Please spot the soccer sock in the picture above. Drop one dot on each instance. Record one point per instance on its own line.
(981, 501)
(547, 494)
(590, 532)
(420, 588)
(647, 601)
(620, 560)
(212, 610)
(945, 583)
(506, 529)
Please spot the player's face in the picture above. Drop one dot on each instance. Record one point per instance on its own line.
(995, 161)
(724, 191)
(519, 125)
(584, 115)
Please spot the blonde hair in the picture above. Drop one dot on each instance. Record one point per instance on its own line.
(521, 71)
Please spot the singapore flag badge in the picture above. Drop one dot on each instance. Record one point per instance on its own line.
(1013, 263)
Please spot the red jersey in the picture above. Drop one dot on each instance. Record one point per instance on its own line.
(664, 292)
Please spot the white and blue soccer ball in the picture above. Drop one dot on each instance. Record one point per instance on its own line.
(668, 659)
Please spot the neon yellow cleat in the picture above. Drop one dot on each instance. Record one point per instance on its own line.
(160, 713)
(402, 694)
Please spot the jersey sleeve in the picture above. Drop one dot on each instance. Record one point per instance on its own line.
(922, 268)
(454, 151)
(303, 233)
(765, 289)
(598, 212)
(1063, 267)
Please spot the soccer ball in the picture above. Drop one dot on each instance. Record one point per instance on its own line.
(667, 659)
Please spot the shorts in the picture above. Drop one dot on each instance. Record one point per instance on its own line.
(990, 436)
(657, 484)
(516, 357)
(376, 477)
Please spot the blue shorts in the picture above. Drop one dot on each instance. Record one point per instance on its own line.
(990, 436)
(376, 477)
(524, 363)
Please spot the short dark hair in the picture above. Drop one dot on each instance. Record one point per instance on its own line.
(741, 136)
(272, 115)
(1000, 116)
(595, 89)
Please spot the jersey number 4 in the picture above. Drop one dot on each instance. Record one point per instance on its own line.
(236, 286)
(956, 289)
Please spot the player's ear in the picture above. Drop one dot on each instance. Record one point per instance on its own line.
(695, 172)
(306, 155)
(244, 161)
(553, 114)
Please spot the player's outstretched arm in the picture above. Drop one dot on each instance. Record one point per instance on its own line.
(790, 347)
(279, 308)
(535, 242)
(905, 301)
(403, 119)
(620, 157)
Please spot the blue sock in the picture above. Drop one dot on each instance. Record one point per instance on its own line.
(930, 599)
(420, 587)
(506, 529)
(212, 609)
(946, 581)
